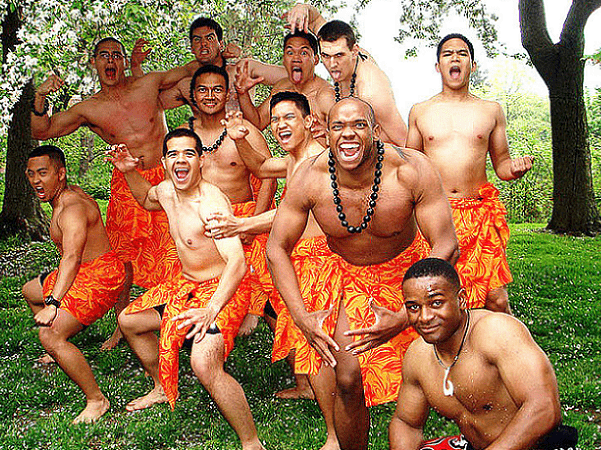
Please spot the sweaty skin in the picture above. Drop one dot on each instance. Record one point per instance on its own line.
(505, 391)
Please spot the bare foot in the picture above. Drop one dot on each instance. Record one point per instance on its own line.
(248, 325)
(46, 359)
(93, 411)
(296, 392)
(157, 395)
(113, 341)
(331, 444)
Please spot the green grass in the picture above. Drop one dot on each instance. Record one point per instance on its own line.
(555, 293)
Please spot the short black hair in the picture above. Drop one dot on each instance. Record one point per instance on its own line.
(209, 23)
(334, 30)
(109, 39)
(455, 36)
(299, 100)
(209, 68)
(55, 154)
(183, 132)
(433, 267)
(310, 37)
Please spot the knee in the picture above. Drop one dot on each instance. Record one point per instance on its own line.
(207, 373)
(49, 339)
(29, 292)
(125, 323)
(497, 300)
(349, 382)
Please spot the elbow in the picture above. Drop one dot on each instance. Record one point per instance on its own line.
(455, 253)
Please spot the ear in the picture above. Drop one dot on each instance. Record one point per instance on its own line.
(164, 165)
(308, 121)
(377, 130)
(62, 173)
(315, 59)
(462, 297)
(355, 50)
(437, 67)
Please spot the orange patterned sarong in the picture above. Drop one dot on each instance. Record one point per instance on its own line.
(483, 235)
(179, 295)
(95, 289)
(355, 286)
(141, 236)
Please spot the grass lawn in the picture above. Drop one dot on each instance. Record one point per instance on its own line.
(556, 293)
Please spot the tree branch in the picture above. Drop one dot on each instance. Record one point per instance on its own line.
(533, 25)
(572, 34)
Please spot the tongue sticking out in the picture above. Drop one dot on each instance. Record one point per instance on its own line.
(110, 72)
(455, 72)
(297, 75)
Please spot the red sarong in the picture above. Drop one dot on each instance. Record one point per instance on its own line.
(179, 295)
(95, 289)
(446, 443)
(356, 285)
(141, 236)
(483, 235)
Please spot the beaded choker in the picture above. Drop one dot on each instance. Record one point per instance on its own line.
(216, 144)
(372, 197)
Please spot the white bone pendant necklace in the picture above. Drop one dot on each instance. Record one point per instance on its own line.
(447, 385)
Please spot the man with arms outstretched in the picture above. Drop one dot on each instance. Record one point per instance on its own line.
(479, 368)
(87, 282)
(457, 130)
(369, 199)
(301, 54)
(125, 110)
(200, 296)
(353, 70)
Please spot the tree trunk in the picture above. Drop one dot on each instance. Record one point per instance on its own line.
(87, 144)
(21, 210)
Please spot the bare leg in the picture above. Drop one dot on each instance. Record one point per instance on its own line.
(207, 362)
(72, 361)
(121, 304)
(302, 388)
(324, 386)
(351, 416)
(139, 331)
(497, 300)
(32, 292)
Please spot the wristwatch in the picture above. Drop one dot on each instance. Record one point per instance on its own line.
(50, 300)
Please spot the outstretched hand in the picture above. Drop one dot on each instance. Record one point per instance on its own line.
(231, 51)
(312, 328)
(297, 18)
(234, 124)
(520, 166)
(388, 324)
(138, 54)
(244, 82)
(201, 318)
(121, 158)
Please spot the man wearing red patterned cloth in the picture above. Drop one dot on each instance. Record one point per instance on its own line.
(457, 130)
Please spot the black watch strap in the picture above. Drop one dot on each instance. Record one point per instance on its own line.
(50, 300)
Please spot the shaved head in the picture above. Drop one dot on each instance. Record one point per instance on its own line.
(370, 114)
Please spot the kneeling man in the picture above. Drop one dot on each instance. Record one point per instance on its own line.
(478, 368)
(88, 280)
(200, 297)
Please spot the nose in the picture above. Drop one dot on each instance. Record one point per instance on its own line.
(425, 315)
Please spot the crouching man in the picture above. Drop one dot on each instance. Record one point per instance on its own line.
(479, 368)
(198, 302)
(88, 280)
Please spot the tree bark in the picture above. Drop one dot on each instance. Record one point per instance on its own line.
(561, 67)
(21, 211)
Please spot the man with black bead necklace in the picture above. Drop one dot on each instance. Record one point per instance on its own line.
(369, 199)
(353, 70)
(479, 368)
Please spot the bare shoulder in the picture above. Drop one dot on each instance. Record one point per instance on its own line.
(165, 189)
(408, 161)
(494, 331)
(283, 85)
(212, 197)
(77, 205)
(305, 179)
(416, 356)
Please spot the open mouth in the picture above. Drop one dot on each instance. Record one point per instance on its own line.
(39, 191)
(181, 173)
(110, 72)
(455, 72)
(284, 136)
(348, 151)
(336, 75)
(297, 74)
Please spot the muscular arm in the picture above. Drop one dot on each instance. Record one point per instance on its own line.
(270, 73)
(528, 376)
(405, 431)
(170, 78)
(414, 136)
(433, 213)
(506, 168)
(177, 95)
(268, 187)
(59, 124)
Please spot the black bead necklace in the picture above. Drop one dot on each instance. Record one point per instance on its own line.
(216, 144)
(352, 87)
(372, 197)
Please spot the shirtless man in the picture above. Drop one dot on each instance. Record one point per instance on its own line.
(480, 369)
(353, 70)
(224, 168)
(301, 54)
(291, 122)
(125, 110)
(200, 296)
(206, 42)
(457, 130)
(87, 282)
(369, 199)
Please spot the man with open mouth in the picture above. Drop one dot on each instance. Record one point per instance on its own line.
(371, 201)
(88, 280)
(126, 110)
(301, 54)
(458, 130)
(353, 70)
